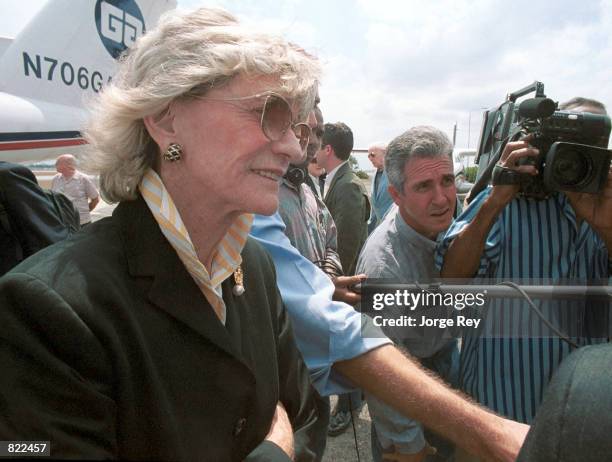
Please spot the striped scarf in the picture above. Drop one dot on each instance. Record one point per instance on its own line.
(226, 257)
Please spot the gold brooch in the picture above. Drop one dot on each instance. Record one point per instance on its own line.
(238, 289)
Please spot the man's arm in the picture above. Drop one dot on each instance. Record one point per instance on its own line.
(326, 331)
(401, 383)
(463, 255)
(93, 196)
(329, 332)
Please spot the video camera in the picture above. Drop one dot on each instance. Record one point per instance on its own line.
(572, 145)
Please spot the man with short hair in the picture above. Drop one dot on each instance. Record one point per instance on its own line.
(380, 199)
(401, 249)
(503, 235)
(344, 195)
(79, 188)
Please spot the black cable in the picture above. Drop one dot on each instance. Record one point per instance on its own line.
(532, 305)
(350, 400)
(537, 311)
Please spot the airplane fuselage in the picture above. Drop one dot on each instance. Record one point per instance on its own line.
(32, 130)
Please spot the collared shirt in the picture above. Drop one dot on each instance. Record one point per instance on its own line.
(330, 176)
(395, 251)
(536, 240)
(226, 255)
(79, 188)
(326, 331)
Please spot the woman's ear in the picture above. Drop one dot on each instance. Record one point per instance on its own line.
(161, 127)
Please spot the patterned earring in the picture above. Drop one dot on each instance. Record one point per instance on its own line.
(173, 153)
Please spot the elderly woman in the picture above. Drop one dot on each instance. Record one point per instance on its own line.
(158, 333)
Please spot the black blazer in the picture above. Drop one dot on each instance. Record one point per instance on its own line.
(109, 350)
(32, 220)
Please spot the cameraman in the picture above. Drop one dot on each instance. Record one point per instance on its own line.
(505, 236)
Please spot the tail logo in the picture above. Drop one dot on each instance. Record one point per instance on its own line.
(119, 24)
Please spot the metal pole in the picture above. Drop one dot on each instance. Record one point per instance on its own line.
(501, 290)
(469, 127)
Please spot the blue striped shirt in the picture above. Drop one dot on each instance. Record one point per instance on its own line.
(531, 240)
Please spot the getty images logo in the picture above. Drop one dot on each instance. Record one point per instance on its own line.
(119, 23)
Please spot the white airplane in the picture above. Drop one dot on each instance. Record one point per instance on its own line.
(64, 56)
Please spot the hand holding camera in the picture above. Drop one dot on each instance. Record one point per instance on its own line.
(518, 157)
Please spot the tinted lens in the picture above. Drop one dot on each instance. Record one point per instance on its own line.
(276, 117)
(571, 168)
(302, 132)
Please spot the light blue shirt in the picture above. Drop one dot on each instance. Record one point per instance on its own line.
(381, 199)
(326, 331)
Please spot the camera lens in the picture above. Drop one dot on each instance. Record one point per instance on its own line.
(571, 168)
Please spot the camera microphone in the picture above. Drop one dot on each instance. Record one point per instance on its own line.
(537, 108)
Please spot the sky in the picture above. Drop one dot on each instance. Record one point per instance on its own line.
(393, 64)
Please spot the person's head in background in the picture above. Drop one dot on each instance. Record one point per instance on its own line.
(316, 133)
(66, 165)
(580, 104)
(376, 155)
(315, 144)
(336, 145)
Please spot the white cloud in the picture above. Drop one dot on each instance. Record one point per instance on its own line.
(391, 64)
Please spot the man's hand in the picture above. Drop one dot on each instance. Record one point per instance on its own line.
(462, 259)
(344, 292)
(418, 457)
(281, 432)
(595, 209)
(512, 153)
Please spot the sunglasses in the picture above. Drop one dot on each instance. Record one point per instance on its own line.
(276, 118)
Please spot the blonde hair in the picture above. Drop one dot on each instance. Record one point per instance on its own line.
(183, 57)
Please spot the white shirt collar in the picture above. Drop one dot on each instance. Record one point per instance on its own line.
(330, 177)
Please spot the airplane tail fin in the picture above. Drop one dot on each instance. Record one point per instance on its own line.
(68, 51)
